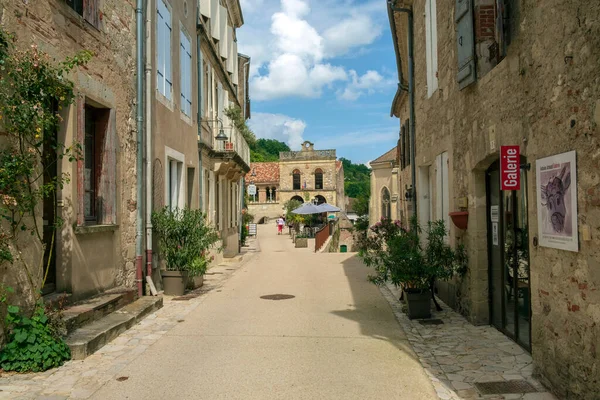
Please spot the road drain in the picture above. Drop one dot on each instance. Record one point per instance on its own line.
(431, 322)
(505, 387)
(277, 297)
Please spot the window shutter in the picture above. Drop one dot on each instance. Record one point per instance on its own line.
(466, 43)
(107, 187)
(91, 12)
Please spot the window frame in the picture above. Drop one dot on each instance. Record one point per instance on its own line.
(177, 159)
(318, 174)
(92, 217)
(296, 175)
(185, 73)
(164, 56)
(431, 46)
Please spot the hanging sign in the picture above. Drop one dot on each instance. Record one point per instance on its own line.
(251, 190)
(510, 173)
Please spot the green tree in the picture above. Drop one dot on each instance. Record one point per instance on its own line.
(265, 150)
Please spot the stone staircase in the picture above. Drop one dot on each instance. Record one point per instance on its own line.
(94, 322)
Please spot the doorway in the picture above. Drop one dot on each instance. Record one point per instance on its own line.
(508, 251)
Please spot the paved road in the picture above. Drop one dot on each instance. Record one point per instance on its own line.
(336, 339)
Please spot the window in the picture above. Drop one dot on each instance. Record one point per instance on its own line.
(296, 180)
(431, 46)
(319, 179)
(386, 207)
(163, 49)
(174, 196)
(256, 196)
(273, 194)
(185, 52)
(97, 171)
(405, 144)
(268, 193)
(87, 9)
(191, 172)
(442, 192)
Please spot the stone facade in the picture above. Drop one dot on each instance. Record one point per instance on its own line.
(278, 178)
(384, 187)
(536, 87)
(99, 254)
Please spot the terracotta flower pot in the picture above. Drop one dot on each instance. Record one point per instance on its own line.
(460, 219)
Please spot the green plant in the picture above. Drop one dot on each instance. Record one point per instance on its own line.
(290, 217)
(33, 91)
(184, 239)
(32, 343)
(397, 255)
(235, 114)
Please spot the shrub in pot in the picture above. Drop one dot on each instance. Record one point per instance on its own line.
(301, 240)
(184, 239)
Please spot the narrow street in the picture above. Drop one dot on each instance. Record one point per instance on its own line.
(336, 338)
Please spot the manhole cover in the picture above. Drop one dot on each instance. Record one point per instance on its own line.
(277, 297)
(505, 387)
(431, 322)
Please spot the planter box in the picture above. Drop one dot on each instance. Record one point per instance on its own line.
(174, 282)
(301, 242)
(195, 282)
(419, 304)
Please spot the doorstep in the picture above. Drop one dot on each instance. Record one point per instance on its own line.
(88, 339)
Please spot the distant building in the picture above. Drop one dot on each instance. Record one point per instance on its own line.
(384, 187)
(305, 175)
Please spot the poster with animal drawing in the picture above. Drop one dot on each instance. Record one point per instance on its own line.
(557, 201)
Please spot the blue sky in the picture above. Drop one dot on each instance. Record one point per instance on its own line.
(324, 71)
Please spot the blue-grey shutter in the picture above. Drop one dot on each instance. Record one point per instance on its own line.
(160, 47)
(465, 38)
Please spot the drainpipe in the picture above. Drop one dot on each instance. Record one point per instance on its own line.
(149, 174)
(140, 138)
(411, 97)
(200, 106)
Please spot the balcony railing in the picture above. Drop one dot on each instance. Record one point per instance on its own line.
(235, 142)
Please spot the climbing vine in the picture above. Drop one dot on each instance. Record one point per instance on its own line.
(33, 91)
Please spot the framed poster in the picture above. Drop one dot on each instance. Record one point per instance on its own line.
(557, 201)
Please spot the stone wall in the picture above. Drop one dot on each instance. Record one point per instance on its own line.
(544, 96)
(269, 210)
(108, 80)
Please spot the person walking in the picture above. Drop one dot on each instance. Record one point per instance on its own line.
(280, 223)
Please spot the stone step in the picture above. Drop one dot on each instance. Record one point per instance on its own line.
(93, 309)
(88, 339)
(232, 260)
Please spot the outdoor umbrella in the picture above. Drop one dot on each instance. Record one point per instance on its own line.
(307, 209)
(328, 208)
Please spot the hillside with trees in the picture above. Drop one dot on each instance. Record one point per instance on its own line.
(264, 150)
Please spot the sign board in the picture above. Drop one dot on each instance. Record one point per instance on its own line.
(510, 168)
(251, 190)
(251, 229)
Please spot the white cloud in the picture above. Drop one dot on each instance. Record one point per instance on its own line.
(280, 127)
(293, 58)
(357, 30)
(370, 82)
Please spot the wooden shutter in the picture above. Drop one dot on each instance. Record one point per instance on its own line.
(465, 38)
(80, 164)
(107, 185)
(186, 74)
(91, 12)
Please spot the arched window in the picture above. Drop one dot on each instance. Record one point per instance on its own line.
(296, 182)
(256, 198)
(273, 194)
(267, 194)
(386, 207)
(318, 178)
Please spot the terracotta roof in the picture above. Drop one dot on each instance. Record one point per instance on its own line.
(387, 157)
(263, 172)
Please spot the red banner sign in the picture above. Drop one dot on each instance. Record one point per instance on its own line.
(510, 171)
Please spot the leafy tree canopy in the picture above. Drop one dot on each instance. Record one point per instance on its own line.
(265, 150)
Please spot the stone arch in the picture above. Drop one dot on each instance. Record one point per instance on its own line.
(299, 198)
(320, 199)
(386, 203)
(318, 179)
(296, 180)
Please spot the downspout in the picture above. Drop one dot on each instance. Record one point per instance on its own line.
(411, 98)
(140, 138)
(200, 107)
(149, 174)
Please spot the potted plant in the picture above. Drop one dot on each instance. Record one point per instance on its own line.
(301, 240)
(398, 256)
(184, 239)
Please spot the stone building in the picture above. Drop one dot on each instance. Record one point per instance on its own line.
(492, 73)
(95, 245)
(383, 202)
(305, 175)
